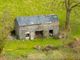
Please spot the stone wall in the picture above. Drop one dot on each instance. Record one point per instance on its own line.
(32, 28)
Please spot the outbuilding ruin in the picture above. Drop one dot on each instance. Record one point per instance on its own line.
(31, 27)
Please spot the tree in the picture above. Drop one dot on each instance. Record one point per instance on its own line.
(67, 5)
(70, 5)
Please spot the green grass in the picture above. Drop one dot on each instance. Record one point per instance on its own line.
(20, 47)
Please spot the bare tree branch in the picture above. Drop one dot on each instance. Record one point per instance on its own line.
(75, 5)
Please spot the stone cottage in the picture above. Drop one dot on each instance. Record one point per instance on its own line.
(30, 27)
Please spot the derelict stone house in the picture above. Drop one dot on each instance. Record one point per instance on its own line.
(30, 27)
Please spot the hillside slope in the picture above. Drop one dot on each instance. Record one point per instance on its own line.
(36, 7)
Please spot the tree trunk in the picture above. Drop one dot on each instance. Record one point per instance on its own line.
(67, 22)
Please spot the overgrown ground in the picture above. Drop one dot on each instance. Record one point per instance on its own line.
(24, 50)
(20, 49)
(16, 49)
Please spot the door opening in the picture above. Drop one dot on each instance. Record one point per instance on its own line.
(38, 34)
(51, 33)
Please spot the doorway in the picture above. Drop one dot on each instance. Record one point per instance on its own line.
(50, 33)
(38, 34)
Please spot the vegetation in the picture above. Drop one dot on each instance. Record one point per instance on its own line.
(68, 7)
(4, 30)
(25, 50)
(22, 49)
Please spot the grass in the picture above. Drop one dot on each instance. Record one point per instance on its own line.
(21, 47)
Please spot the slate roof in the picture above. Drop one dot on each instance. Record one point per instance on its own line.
(30, 20)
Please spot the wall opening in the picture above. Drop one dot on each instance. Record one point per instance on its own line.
(51, 33)
(38, 34)
(27, 35)
(13, 34)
